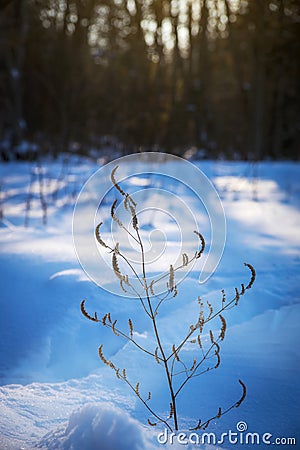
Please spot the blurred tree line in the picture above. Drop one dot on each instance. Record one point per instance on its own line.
(220, 76)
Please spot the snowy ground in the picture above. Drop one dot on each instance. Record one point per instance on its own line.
(56, 394)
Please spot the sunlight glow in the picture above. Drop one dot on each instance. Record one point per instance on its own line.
(180, 20)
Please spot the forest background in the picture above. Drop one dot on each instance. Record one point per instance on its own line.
(202, 78)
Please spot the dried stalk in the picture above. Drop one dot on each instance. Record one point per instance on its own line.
(168, 362)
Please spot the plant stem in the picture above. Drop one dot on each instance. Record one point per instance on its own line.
(152, 315)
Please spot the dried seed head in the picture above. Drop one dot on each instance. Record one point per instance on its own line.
(237, 296)
(253, 275)
(112, 209)
(199, 341)
(113, 180)
(113, 327)
(98, 237)
(115, 266)
(103, 320)
(223, 296)
(194, 365)
(104, 360)
(152, 424)
(113, 215)
(171, 278)
(122, 286)
(86, 314)
(126, 202)
(217, 353)
(137, 386)
(201, 322)
(210, 309)
(134, 217)
(151, 288)
(199, 253)
(238, 403)
(185, 259)
(223, 327)
(130, 327)
(211, 337)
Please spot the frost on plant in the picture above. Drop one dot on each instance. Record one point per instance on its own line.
(176, 370)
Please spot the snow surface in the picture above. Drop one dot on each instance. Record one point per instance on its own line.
(56, 394)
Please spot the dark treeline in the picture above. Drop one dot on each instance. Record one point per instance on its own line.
(221, 76)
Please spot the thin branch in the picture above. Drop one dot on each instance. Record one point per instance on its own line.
(119, 253)
(221, 413)
(160, 419)
(195, 369)
(175, 270)
(224, 307)
(124, 335)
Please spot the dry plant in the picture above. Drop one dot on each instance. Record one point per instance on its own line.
(36, 173)
(176, 370)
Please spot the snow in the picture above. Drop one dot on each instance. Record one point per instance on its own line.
(113, 427)
(55, 392)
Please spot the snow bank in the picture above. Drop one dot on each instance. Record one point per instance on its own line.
(105, 427)
(96, 427)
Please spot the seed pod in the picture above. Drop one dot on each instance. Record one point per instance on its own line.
(151, 288)
(171, 278)
(211, 337)
(130, 327)
(253, 275)
(137, 389)
(199, 341)
(98, 237)
(223, 327)
(113, 327)
(113, 180)
(223, 296)
(86, 314)
(199, 253)
(194, 365)
(210, 309)
(152, 424)
(243, 394)
(103, 320)
(237, 296)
